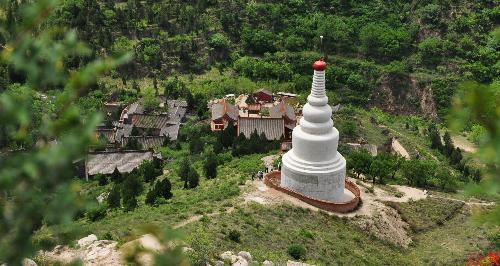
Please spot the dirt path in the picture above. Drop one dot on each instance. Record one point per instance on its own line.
(463, 143)
(396, 146)
(196, 218)
(372, 216)
(416, 144)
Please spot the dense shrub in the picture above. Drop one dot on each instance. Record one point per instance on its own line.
(234, 235)
(96, 213)
(297, 251)
(101, 179)
(160, 189)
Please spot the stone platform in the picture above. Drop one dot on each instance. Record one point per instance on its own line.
(273, 180)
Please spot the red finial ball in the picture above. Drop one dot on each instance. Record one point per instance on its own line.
(319, 65)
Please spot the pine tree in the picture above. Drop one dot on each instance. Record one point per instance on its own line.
(456, 156)
(116, 176)
(151, 197)
(210, 165)
(190, 100)
(193, 177)
(114, 197)
(165, 189)
(184, 171)
(148, 170)
(131, 188)
(435, 137)
(448, 144)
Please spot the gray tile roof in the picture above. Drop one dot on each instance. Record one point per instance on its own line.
(108, 134)
(176, 110)
(148, 142)
(105, 163)
(124, 131)
(172, 131)
(273, 128)
(223, 108)
(150, 121)
(282, 109)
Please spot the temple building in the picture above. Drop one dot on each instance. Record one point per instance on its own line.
(314, 167)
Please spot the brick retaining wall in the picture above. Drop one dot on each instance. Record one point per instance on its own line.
(273, 179)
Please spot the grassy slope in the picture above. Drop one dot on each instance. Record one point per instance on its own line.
(210, 196)
(266, 232)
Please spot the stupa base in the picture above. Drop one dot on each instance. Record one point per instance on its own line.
(351, 195)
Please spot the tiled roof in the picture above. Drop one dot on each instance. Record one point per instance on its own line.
(273, 128)
(107, 134)
(147, 142)
(282, 109)
(222, 108)
(176, 110)
(124, 131)
(150, 121)
(172, 131)
(105, 163)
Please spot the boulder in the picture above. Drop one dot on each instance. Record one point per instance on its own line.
(226, 256)
(29, 262)
(87, 240)
(219, 263)
(246, 255)
(187, 249)
(234, 258)
(240, 261)
(268, 263)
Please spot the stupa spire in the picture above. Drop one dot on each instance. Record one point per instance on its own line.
(313, 166)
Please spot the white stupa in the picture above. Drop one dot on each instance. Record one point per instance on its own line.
(314, 167)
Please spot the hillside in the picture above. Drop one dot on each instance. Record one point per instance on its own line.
(149, 125)
(403, 57)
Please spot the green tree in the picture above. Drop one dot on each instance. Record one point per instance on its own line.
(114, 197)
(193, 178)
(446, 181)
(210, 165)
(448, 144)
(149, 171)
(150, 102)
(456, 156)
(431, 50)
(418, 172)
(101, 179)
(380, 168)
(195, 145)
(183, 171)
(360, 161)
(116, 176)
(131, 188)
(383, 41)
(435, 137)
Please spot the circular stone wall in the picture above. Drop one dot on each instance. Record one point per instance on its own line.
(273, 179)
